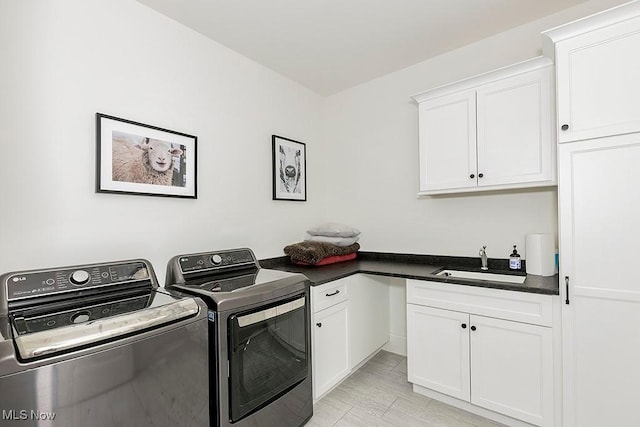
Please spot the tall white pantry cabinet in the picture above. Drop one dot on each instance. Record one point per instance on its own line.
(598, 104)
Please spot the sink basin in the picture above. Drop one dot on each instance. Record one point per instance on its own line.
(476, 275)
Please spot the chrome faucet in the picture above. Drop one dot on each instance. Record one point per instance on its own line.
(483, 258)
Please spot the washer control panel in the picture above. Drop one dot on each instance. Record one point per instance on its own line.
(47, 282)
(216, 260)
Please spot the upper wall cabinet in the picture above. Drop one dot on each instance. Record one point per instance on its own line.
(597, 73)
(490, 132)
(448, 142)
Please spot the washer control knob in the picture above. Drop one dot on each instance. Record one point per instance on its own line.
(79, 277)
(216, 259)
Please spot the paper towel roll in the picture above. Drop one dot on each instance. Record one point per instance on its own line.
(540, 254)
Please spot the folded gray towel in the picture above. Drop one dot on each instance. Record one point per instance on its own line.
(314, 252)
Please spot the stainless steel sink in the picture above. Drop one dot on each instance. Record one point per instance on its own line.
(476, 275)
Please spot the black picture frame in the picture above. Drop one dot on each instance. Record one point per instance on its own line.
(289, 163)
(140, 159)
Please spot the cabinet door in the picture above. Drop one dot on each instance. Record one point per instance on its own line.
(438, 350)
(512, 369)
(330, 353)
(515, 136)
(368, 316)
(448, 142)
(598, 84)
(599, 228)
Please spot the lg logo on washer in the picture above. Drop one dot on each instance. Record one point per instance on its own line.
(19, 279)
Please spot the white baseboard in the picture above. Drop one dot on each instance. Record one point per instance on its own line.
(512, 422)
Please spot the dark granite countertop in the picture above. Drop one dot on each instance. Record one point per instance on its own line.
(420, 267)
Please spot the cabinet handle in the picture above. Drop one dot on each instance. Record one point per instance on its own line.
(472, 176)
(473, 328)
(564, 127)
(464, 326)
(480, 175)
(333, 293)
(319, 324)
(566, 284)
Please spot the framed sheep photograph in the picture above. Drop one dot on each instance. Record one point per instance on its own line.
(134, 158)
(289, 169)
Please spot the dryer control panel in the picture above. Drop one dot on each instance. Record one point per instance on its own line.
(38, 283)
(219, 260)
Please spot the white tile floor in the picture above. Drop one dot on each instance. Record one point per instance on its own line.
(378, 394)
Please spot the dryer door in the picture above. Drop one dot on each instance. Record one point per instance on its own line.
(268, 354)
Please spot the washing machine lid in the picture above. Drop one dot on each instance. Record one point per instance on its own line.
(54, 310)
(38, 334)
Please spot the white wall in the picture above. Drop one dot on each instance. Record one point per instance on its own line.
(397, 316)
(65, 60)
(372, 150)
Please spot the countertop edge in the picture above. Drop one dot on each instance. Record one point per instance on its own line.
(408, 266)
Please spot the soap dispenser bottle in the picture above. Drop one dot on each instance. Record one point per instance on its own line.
(514, 260)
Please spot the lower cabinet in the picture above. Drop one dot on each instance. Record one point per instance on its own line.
(438, 350)
(350, 322)
(512, 368)
(368, 316)
(498, 364)
(330, 356)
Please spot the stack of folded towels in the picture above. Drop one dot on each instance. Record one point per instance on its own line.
(326, 244)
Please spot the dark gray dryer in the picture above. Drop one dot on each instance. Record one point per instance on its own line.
(100, 345)
(259, 337)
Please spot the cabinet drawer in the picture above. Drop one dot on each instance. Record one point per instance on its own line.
(329, 294)
(510, 305)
